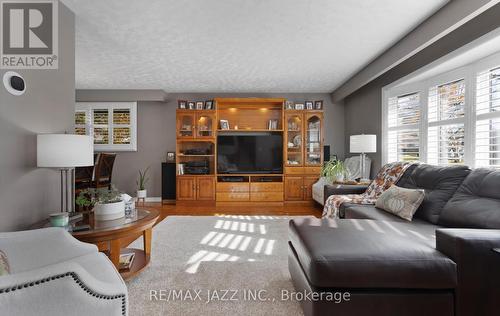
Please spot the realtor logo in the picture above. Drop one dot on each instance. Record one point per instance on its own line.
(29, 34)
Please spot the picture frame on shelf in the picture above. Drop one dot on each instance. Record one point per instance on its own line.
(182, 104)
(209, 105)
(299, 106)
(289, 105)
(170, 156)
(224, 124)
(309, 105)
(191, 105)
(199, 105)
(318, 105)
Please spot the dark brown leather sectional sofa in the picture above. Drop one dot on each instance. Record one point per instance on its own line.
(441, 263)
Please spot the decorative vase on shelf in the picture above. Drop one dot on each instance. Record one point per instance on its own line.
(142, 194)
(109, 211)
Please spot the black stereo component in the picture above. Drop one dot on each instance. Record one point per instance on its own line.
(196, 151)
(232, 179)
(196, 170)
(193, 164)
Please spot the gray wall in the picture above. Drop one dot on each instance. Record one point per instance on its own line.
(363, 108)
(156, 132)
(28, 194)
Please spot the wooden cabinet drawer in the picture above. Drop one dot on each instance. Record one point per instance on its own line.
(230, 197)
(294, 170)
(312, 170)
(266, 187)
(232, 187)
(266, 196)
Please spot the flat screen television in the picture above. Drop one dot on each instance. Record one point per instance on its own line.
(249, 152)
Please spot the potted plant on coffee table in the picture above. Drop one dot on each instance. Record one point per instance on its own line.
(107, 204)
(142, 193)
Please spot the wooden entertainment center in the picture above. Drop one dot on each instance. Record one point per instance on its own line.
(196, 153)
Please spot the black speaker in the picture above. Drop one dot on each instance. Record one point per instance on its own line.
(326, 153)
(168, 182)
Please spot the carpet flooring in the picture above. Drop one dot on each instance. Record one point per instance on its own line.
(210, 265)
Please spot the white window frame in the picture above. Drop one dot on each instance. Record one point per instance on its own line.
(469, 74)
(88, 107)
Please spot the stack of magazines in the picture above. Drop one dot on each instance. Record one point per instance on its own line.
(126, 260)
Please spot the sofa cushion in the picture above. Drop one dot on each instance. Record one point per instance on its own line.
(359, 211)
(439, 183)
(370, 254)
(476, 204)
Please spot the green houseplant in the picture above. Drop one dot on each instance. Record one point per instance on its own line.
(141, 183)
(334, 170)
(107, 204)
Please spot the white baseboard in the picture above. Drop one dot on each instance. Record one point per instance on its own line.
(151, 199)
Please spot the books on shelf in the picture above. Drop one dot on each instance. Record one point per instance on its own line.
(126, 260)
(272, 124)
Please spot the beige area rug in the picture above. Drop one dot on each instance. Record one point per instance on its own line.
(209, 265)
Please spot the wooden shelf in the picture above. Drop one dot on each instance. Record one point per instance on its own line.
(250, 115)
(249, 174)
(182, 155)
(193, 140)
(197, 111)
(196, 175)
(250, 130)
(140, 262)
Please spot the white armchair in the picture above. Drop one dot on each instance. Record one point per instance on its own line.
(52, 273)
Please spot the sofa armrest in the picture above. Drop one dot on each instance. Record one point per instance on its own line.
(472, 251)
(47, 245)
(342, 189)
(64, 288)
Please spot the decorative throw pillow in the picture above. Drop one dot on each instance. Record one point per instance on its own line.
(4, 264)
(401, 202)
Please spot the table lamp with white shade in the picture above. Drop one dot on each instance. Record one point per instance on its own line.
(363, 144)
(65, 152)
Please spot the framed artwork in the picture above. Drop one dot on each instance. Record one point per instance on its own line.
(209, 105)
(191, 105)
(309, 105)
(318, 105)
(289, 105)
(224, 124)
(170, 156)
(199, 105)
(299, 106)
(182, 104)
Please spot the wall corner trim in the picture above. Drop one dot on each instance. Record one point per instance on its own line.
(120, 95)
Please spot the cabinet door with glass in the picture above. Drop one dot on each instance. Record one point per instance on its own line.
(205, 125)
(313, 126)
(294, 151)
(186, 125)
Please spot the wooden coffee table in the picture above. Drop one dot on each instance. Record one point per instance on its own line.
(110, 237)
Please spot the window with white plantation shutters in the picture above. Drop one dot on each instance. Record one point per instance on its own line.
(455, 114)
(446, 129)
(403, 121)
(113, 125)
(487, 153)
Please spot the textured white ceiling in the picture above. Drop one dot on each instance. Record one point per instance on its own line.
(235, 45)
